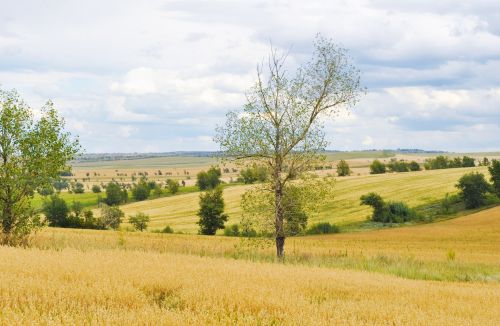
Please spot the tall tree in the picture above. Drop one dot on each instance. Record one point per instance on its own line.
(281, 124)
(32, 153)
(211, 211)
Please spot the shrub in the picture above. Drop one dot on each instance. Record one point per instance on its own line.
(111, 217)
(323, 228)
(115, 195)
(232, 231)
(56, 211)
(211, 212)
(253, 173)
(398, 166)
(377, 167)
(376, 201)
(390, 212)
(141, 191)
(414, 166)
(173, 186)
(167, 229)
(473, 188)
(209, 179)
(139, 221)
(78, 188)
(96, 189)
(494, 170)
(343, 169)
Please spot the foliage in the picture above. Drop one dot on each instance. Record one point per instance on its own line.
(141, 191)
(377, 167)
(208, 179)
(139, 221)
(253, 174)
(414, 166)
(301, 200)
(211, 212)
(281, 125)
(444, 162)
(111, 217)
(323, 228)
(56, 211)
(32, 153)
(115, 195)
(46, 190)
(60, 184)
(494, 170)
(232, 231)
(78, 188)
(468, 162)
(473, 188)
(343, 169)
(398, 165)
(167, 229)
(390, 212)
(173, 186)
(96, 189)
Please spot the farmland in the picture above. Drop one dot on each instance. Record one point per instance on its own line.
(109, 277)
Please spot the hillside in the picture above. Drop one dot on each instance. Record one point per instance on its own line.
(415, 188)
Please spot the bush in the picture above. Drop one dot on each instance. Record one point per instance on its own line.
(167, 229)
(377, 167)
(390, 212)
(414, 166)
(139, 221)
(232, 231)
(468, 162)
(141, 191)
(253, 174)
(78, 188)
(343, 169)
(56, 211)
(398, 166)
(111, 217)
(494, 170)
(473, 188)
(115, 195)
(211, 212)
(96, 189)
(322, 228)
(209, 179)
(173, 186)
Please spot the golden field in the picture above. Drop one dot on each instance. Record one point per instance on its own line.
(107, 277)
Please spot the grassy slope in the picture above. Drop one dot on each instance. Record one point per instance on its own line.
(415, 188)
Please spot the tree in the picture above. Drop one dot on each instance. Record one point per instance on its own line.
(414, 166)
(60, 184)
(56, 211)
(114, 194)
(78, 188)
(377, 167)
(139, 221)
(343, 169)
(374, 200)
(281, 124)
(141, 191)
(111, 217)
(494, 170)
(254, 173)
(209, 179)
(473, 188)
(211, 212)
(468, 162)
(173, 186)
(96, 189)
(32, 153)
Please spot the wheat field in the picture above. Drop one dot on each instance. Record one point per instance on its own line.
(83, 277)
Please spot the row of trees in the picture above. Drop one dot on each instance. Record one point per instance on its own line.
(444, 162)
(394, 165)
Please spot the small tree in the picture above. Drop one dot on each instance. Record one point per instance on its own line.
(32, 153)
(114, 194)
(377, 167)
(494, 170)
(211, 212)
(374, 200)
(468, 162)
(111, 217)
(173, 186)
(96, 189)
(414, 166)
(139, 221)
(56, 211)
(209, 179)
(343, 169)
(141, 191)
(78, 188)
(473, 188)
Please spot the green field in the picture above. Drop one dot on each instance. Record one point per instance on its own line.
(414, 188)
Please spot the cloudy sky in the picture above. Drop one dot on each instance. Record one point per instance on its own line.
(147, 76)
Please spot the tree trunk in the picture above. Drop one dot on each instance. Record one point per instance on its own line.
(280, 247)
(280, 232)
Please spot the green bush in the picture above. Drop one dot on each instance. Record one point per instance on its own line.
(139, 221)
(322, 228)
(167, 229)
(414, 166)
(211, 212)
(388, 212)
(141, 191)
(209, 179)
(473, 188)
(343, 169)
(494, 170)
(96, 189)
(232, 231)
(377, 167)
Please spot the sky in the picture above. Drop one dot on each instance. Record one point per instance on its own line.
(155, 76)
